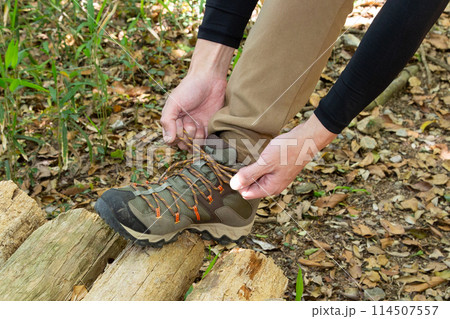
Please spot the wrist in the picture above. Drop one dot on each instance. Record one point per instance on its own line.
(211, 58)
(315, 130)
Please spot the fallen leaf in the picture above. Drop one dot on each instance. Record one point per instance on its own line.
(434, 281)
(425, 125)
(331, 201)
(414, 81)
(355, 271)
(367, 160)
(314, 99)
(443, 274)
(398, 254)
(363, 230)
(392, 228)
(386, 242)
(421, 186)
(411, 242)
(436, 254)
(439, 179)
(376, 170)
(375, 250)
(311, 263)
(439, 41)
(321, 245)
(264, 245)
(412, 204)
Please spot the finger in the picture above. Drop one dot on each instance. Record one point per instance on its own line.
(168, 123)
(254, 191)
(189, 126)
(179, 128)
(246, 176)
(183, 146)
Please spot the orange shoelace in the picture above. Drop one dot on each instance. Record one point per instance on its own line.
(222, 172)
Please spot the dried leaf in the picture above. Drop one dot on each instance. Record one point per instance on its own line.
(331, 201)
(355, 271)
(439, 41)
(412, 204)
(314, 99)
(439, 179)
(321, 245)
(392, 228)
(421, 186)
(386, 242)
(363, 230)
(434, 281)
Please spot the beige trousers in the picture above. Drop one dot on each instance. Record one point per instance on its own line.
(278, 70)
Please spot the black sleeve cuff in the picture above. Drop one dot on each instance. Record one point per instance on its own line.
(224, 21)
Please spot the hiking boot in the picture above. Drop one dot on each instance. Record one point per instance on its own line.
(195, 197)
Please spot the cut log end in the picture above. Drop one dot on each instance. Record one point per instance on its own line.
(19, 217)
(242, 274)
(72, 249)
(151, 274)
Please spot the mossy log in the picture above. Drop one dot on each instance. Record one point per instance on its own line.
(151, 273)
(72, 249)
(19, 217)
(395, 86)
(241, 274)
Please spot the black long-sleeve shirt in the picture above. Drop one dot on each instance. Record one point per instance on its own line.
(391, 40)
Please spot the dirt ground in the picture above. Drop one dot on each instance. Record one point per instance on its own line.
(368, 220)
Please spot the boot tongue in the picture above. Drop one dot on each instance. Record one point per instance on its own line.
(220, 150)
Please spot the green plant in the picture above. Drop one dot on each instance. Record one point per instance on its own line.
(351, 189)
(210, 266)
(299, 285)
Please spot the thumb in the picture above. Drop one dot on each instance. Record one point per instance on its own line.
(247, 176)
(168, 123)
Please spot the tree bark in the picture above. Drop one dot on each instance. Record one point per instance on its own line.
(151, 274)
(394, 87)
(241, 274)
(19, 217)
(71, 250)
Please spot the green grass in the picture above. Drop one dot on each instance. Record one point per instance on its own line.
(299, 285)
(60, 54)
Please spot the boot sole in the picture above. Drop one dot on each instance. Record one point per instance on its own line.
(221, 233)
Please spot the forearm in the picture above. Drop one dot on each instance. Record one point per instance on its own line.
(211, 58)
(225, 20)
(390, 42)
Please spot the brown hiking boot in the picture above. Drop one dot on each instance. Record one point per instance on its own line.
(192, 195)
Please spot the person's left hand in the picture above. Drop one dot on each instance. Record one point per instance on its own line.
(282, 160)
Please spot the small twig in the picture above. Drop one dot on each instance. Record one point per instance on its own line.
(439, 62)
(268, 220)
(425, 64)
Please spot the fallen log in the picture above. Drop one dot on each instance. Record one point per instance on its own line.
(241, 274)
(394, 87)
(151, 273)
(72, 249)
(19, 217)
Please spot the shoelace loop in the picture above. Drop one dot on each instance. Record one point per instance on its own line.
(222, 172)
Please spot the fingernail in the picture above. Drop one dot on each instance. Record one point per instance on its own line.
(234, 184)
(167, 138)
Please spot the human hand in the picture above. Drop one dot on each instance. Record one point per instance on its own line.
(190, 107)
(199, 96)
(282, 160)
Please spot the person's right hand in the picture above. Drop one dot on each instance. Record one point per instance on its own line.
(201, 93)
(190, 107)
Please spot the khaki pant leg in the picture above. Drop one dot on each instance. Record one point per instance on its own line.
(278, 70)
